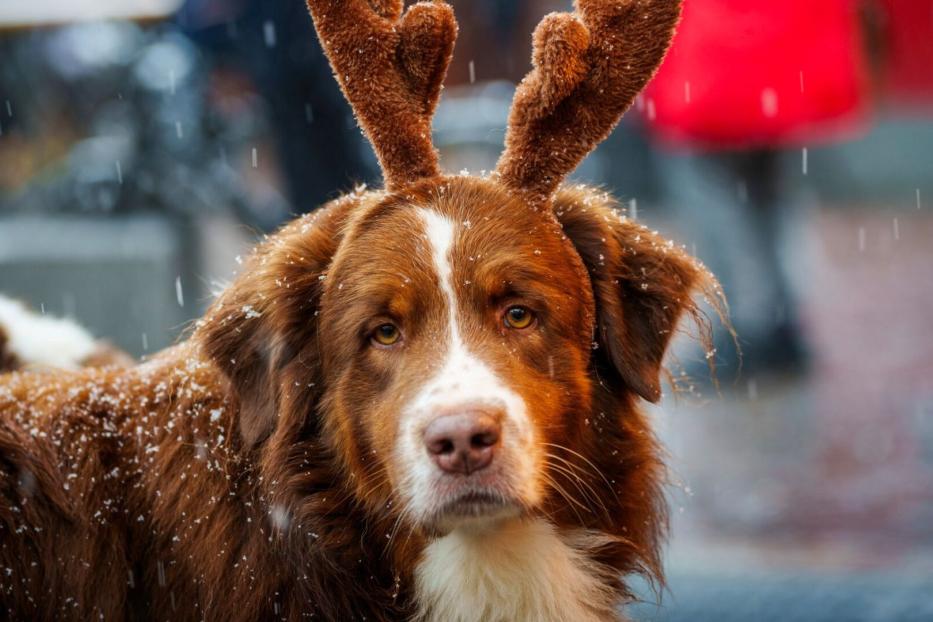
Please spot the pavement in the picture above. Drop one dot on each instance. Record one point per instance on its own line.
(742, 596)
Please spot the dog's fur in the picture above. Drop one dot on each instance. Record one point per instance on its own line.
(271, 466)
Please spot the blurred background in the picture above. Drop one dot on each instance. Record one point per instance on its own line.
(146, 144)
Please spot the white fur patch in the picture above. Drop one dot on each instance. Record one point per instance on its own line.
(37, 340)
(519, 571)
(463, 379)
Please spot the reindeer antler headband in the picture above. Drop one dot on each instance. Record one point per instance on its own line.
(588, 68)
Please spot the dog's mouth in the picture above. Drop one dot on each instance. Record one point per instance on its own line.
(474, 508)
(475, 504)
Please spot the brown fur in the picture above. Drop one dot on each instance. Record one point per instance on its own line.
(247, 474)
(8, 361)
(108, 355)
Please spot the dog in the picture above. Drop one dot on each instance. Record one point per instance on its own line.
(420, 402)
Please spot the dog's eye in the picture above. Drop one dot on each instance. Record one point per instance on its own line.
(387, 335)
(518, 317)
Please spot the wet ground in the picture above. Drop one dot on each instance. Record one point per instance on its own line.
(744, 596)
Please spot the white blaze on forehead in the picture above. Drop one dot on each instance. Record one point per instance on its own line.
(462, 379)
(440, 232)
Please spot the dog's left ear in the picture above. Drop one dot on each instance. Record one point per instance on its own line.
(642, 285)
(262, 331)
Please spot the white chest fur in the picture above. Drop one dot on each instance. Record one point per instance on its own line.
(523, 571)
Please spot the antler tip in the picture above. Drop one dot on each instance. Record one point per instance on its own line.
(588, 68)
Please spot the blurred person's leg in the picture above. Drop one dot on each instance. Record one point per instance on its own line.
(321, 148)
(728, 206)
(770, 202)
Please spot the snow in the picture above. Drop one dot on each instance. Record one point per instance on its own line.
(250, 313)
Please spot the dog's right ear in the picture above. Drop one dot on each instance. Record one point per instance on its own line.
(262, 331)
(642, 284)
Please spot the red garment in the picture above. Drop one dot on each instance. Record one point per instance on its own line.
(908, 52)
(753, 73)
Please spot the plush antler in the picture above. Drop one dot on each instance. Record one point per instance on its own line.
(391, 68)
(588, 68)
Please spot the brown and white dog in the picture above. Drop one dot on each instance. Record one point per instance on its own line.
(420, 403)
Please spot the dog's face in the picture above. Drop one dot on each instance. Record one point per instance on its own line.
(458, 326)
(450, 341)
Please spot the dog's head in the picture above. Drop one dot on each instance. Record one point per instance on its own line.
(449, 342)
(467, 349)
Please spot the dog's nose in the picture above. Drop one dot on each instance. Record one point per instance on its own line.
(464, 442)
